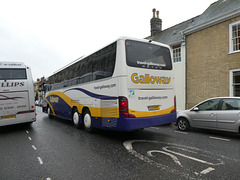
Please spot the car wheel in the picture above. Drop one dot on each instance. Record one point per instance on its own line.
(87, 121)
(183, 124)
(76, 119)
(49, 113)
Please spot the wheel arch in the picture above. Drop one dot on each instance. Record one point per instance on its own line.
(185, 117)
(84, 109)
(73, 108)
(183, 123)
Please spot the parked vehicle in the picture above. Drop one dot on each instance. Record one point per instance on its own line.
(221, 113)
(16, 94)
(127, 85)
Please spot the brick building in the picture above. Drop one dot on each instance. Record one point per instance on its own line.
(38, 92)
(206, 52)
(213, 53)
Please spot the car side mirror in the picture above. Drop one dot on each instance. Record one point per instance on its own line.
(195, 109)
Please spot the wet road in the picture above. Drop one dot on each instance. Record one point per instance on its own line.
(53, 149)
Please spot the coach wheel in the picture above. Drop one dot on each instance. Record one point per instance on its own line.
(49, 113)
(75, 118)
(87, 121)
(183, 124)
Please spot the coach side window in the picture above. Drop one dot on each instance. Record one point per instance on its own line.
(96, 66)
(104, 62)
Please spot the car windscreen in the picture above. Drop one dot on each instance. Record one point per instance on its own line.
(147, 55)
(10, 74)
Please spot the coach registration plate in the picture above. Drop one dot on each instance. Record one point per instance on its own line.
(153, 108)
(7, 117)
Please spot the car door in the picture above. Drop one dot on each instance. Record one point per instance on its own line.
(205, 114)
(229, 115)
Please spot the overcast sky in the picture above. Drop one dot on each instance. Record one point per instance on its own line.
(49, 34)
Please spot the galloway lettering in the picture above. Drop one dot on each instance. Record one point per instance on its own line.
(54, 99)
(147, 79)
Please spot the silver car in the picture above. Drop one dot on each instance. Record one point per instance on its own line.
(221, 113)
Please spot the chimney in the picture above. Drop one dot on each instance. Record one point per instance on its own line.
(156, 23)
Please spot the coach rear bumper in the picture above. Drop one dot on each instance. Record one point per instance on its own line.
(19, 118)
(128, 124)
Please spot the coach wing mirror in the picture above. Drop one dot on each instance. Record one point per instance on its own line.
(195, 109)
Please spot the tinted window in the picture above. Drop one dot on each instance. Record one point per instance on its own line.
(147, 55)
(230, 104)
(99, 65)
(8, 74)
(209, 105)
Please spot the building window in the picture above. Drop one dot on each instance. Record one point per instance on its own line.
(176, 53)
(234, 33)
(235, 83)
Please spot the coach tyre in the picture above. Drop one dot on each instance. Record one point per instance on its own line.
(75, 118)
(49, 112)
(87, 121)
(183, 124)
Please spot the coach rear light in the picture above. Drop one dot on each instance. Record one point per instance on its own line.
(123, 107)
(175, 105)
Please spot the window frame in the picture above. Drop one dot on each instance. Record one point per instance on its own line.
(231, 46)
(231, 84)
(177, 55)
